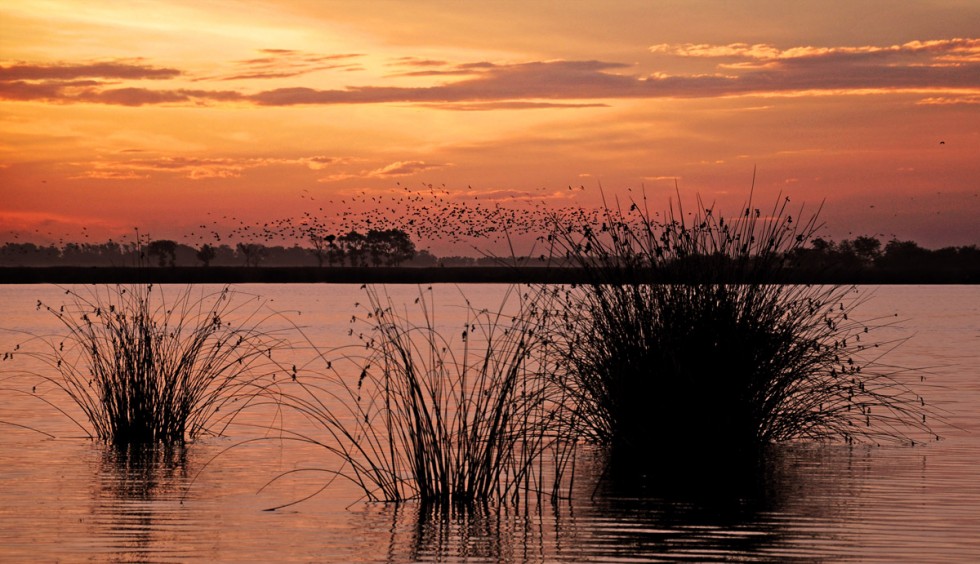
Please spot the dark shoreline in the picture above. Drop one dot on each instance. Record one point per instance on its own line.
(422, 275)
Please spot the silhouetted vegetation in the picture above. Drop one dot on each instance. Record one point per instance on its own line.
(164, 250)
(865, 258)
(206, 254)
(680, 342)
(861, 260)
(443, 419)
(252, 253)
(150, 368)
(679, 348)
(390, 247)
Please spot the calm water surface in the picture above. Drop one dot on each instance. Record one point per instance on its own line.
(69, 499)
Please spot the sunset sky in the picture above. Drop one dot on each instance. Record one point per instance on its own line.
(189, 118)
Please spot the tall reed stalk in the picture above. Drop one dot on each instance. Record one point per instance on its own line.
(448, 419)
(684, 343)
(147, 367)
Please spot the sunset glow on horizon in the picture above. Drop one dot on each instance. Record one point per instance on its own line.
(184, 119)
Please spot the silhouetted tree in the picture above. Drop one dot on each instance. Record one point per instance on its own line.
(206, 254)
(29, 254)
(863, 256)
(903, 255)
(319, 243)
(225, 256)
(353, 248)
(424, 258)
(324, 246)
(389, 247)
(334, 253)
(817, 258)
(165, 250)
(868, 248)
(822, 245)
(110, 253)
(847, 255)
(253, 253)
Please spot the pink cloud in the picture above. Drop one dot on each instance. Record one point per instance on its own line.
(286, 63)
(944, 48)
(106, 70)
(196, 168)
(969, 99)
(940, 66)
(514, 105)
(403, 168)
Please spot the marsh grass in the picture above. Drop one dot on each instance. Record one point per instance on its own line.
(450, 419)
(149, 366)
(685, 345)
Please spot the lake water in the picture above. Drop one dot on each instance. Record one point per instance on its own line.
(68, 498)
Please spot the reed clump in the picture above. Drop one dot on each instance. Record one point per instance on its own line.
(148, 367)
(685, 345)
(449, 416)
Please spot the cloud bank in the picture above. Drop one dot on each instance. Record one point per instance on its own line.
(196, 168)
(948, 67)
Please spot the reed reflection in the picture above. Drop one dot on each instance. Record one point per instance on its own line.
(750, 511)
(137, 501)
(435, 532)
(740, 509)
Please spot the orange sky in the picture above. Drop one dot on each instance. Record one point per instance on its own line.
(151, 114)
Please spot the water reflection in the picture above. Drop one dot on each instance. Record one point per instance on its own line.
(697, 511)
(421, 532)
(143, 472)
(137, 501)
(745, 510)
(788, 509)
(72, 500)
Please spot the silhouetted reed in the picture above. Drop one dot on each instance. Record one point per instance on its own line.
(445, 419)
(684, 345)
(150, 368)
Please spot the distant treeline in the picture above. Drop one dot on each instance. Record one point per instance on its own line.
(391, 247)
(863, 259)
(866, 258)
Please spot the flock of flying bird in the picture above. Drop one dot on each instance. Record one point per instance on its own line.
(429, 215)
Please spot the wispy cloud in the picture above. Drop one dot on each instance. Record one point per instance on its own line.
(101, 70)
(196, 168)
(948, 68)
(403, 168)
(321, 162)
(921, 65)
(193, 168)
(969, 99)
(287, 63)
(84, 82)
(943, 50)
(536, 80)
(95, 82)
(417, 62)
(501, 195)
(514, 105)
(411, 66)
(144, 96)
(112, 173)
(338, 177)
